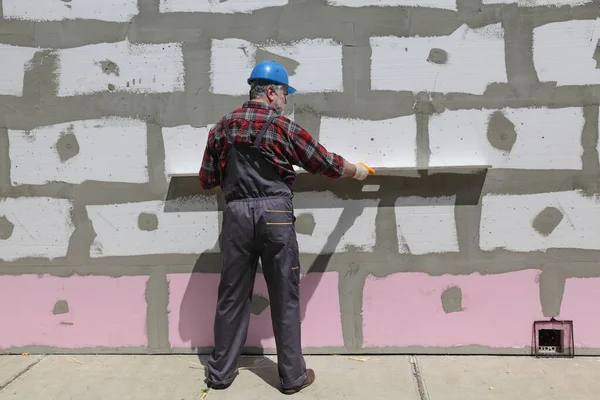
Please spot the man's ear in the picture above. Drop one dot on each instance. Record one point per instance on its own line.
(271, 93)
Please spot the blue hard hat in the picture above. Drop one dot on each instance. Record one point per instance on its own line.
(273, 72)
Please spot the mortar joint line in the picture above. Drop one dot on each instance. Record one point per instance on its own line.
(21, 373)
(416, 371)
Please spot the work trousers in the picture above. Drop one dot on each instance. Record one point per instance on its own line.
(254, 228)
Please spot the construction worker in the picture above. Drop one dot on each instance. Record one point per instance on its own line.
(249, 154)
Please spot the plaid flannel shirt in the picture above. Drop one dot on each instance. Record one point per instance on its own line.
(283, 145)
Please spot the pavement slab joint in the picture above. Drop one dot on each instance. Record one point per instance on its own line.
(21, 372)
(419, 379)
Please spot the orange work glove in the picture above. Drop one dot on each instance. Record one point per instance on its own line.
(362, 170)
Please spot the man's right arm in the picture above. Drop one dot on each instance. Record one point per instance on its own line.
(315, 158)
(349, 170)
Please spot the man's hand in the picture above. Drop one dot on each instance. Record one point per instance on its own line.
(357, 171)
(362, 170)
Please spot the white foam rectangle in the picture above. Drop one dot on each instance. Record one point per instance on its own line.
(34, 227)
(223, 7)
(386, 143)
(537, 222)
(546, 139)
(563, 52)
(426, 225)
(184, 148)
(539, 3)
(466, 61)
(339, 225)
(316, 64)
(15, 61)
(145, 228)
(441, 4)
(107, 149)
(58, 10)
(120, 66)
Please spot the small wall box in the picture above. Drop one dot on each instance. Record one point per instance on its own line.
(553, 339)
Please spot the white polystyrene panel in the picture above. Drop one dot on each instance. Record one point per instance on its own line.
(572, 220)
(442, 4)
(319, 64)
(57, 10)
(15, 61)
(120, 66)
(35, 227)
(224, 7)
(533, 3)
(426, 225)
(118, 231)
(386, 143)
(475, 58)
(184, 148)
(545, 138)
(563, 52)
(108, 149)
(340, 225)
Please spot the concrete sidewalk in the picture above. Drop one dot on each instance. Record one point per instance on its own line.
(338, 377)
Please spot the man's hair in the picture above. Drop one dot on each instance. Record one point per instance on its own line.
(259, 88)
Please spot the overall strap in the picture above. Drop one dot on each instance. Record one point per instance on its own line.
(228, 136)
(264, 129)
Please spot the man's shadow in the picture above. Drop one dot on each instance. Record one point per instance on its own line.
(198, 330)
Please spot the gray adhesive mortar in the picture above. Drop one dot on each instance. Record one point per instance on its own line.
(148, 8)
(198, 107)
(158, 181)
(452, 300)
(157, 319)
(518, 36)
(590, 178)
(4, 163)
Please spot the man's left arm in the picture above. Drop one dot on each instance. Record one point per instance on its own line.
(316, 159)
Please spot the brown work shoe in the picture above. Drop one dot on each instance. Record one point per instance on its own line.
(218, 386)
(310, 378)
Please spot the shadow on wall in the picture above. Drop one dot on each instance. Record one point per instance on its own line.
(196, 312)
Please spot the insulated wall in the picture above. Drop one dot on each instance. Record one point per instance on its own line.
(100, 102)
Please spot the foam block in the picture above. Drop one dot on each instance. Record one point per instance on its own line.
(108, 149)
(443, 4)
(537, 222)
(328, 224)
(74, 312)
(146, 228)
(34, 227)
(466, 61)
(223, 7)
(192, 302)
(416, 309)
(53, 10)
(526, 138)
(120, 66)
(574, 40)
(426, 225)
(389, 143)
(15, 61)
(184, 148)
(540, 3)
(315, 64)
(579, 305)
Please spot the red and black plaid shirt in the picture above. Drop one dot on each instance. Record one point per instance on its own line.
(284, 144)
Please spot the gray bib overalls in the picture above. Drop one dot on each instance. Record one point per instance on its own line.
(258, 220)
